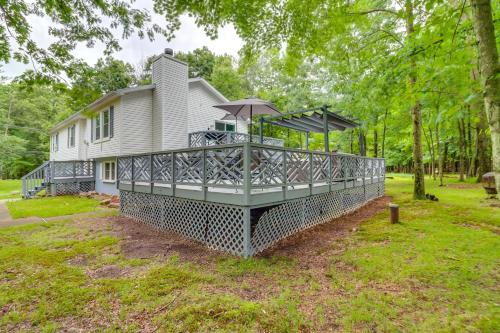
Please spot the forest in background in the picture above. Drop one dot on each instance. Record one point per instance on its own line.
(408, 71)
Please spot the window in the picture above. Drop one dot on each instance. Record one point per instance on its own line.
(55, 142)
(97, 127)
(71, 136)
(225, 127)
(105, 124)
(109, 171)
(102, 124)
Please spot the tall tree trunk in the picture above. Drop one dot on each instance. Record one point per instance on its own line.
(362, 145)
(461, 143)
(489, 67)
(383, 133)
(440, 155)
(483, 163)
(433, 154)
(416, 113)
(445, 156)
(375, 142)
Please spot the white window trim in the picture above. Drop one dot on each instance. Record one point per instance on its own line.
(55, 142)
(103, 171)
(100, 114)
(70, 128)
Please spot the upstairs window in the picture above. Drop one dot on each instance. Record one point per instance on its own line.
(97, 127)
(102, 124)
(55, 142)
(225, 127)
(105, 124)
(71, 136)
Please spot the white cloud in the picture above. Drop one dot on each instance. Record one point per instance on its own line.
(134, 50)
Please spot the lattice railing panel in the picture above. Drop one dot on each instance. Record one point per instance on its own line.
(321, 167)
(162, 168)
(125, 168)
(267, 167)
(213, 138)
(297, 165)
(189, 167)
(224, 166)
(142, 168)
(338, 164)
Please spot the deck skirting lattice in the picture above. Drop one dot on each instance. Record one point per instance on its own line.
(230, 228)
(73, 187)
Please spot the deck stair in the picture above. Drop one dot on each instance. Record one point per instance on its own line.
(36, 181)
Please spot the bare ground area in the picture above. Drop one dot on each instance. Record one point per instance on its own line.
(308, 247)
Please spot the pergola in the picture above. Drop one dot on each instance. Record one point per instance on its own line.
(318, 120)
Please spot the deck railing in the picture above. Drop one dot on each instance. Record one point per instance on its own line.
(239, 173)
(213, 138)
(55, 171)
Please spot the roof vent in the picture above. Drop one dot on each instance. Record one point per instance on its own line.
(169, 51)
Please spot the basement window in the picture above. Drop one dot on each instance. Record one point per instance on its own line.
(109, 171)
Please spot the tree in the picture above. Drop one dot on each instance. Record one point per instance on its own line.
(490, 73)
(91, 82)
(73, 22)
(201, 62)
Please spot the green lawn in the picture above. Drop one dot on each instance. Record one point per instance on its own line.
(10, 188)
(436, 271)
(51, 206)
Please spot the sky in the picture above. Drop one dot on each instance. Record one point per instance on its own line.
(134, 50)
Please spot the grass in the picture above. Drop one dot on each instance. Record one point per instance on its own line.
(437, 270)
(52, 206)
(10, 188)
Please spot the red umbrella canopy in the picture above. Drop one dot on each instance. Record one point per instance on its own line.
(245, 108)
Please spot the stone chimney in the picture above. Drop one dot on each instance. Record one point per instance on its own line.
(170, 102)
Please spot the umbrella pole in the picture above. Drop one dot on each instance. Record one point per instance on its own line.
(251, 113)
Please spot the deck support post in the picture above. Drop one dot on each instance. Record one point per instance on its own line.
(247, 172)
(261, 130)
(307, 140)
(324, 108)
(247, 233)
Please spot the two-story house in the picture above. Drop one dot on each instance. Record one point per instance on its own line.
(140, 120)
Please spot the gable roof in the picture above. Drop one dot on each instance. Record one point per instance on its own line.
(210, 88)
(104, 99)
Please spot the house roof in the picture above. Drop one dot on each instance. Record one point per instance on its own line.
(104, 99)
(120, 92)
(209, 87)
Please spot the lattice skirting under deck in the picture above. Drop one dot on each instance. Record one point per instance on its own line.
(231, 229)
(73, 188)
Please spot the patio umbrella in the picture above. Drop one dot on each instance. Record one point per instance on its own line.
(246, 108)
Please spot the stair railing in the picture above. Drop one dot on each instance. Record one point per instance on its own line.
(35, 180)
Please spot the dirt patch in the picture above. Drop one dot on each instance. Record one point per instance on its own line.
(464, 186)
(311, 243)
(78, 261)
(109, 271)
(142, 241)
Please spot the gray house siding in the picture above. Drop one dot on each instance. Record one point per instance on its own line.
(136, 127)
(100, 185)
(170, 103)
